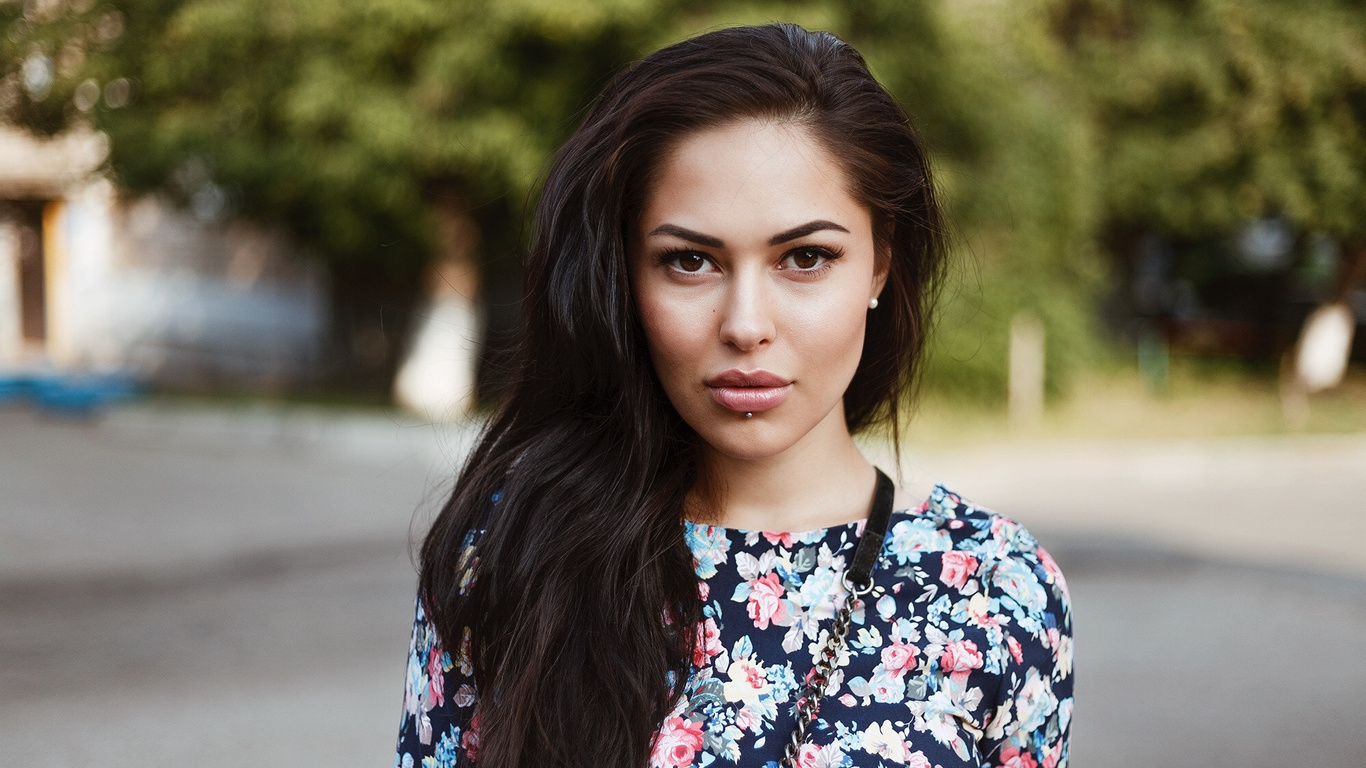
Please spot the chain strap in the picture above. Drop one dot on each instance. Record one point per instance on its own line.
(858, 581)
(809, 705)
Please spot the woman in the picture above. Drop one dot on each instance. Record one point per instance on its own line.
(652, 555)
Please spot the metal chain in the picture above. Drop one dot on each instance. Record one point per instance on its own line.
(809, 705)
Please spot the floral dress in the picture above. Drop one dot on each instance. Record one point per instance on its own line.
(960, 656)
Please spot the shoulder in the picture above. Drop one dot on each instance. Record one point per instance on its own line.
(958, 523)
(992, 544)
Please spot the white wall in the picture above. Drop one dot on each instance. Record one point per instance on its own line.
(139, 284)
(11, 332)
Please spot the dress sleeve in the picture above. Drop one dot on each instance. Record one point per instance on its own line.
(437, 729)
(1032, 716)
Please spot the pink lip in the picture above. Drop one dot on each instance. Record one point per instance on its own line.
(755, 391)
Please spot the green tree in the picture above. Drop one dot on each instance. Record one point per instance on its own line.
(1209, 113)
(363, 125)
(357, 124)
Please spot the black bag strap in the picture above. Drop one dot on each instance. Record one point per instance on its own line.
(860, 572)
(858, 580)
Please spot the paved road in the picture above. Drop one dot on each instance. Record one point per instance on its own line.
(280, 640)
(1290, 502)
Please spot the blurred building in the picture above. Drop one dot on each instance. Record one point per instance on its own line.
(94, 279)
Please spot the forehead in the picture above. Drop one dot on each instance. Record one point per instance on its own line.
(748, 180)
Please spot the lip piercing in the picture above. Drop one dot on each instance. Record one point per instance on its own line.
(749, 414)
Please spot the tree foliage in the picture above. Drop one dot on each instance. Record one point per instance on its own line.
(1213, 112)
(1052, 122)
(340, 118)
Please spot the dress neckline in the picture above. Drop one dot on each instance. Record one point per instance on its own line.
(809, 532)
(756, 531)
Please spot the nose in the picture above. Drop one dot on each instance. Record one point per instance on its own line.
(747, 320)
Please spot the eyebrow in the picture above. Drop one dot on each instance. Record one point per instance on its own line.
(804, 230)
(712, 242)
(687, 234)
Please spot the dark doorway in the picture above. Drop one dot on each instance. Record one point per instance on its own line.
(26, 218)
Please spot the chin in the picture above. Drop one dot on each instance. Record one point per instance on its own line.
(748, 440)
(747, 451)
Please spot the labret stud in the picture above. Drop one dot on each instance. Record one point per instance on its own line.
(749, 414)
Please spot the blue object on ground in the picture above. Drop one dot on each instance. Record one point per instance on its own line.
(13, 388)
(67, 393)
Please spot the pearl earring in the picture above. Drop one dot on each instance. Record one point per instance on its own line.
(872, 303)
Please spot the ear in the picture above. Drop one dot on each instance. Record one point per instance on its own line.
(882, 267)
(880, 272)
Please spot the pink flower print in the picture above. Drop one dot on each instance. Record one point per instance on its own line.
(808, 756)
(703, 590)
(766, 600)
(848, 700)
(784, 538)
(436, 681)
(708, 643)
(676, 743)
(1012, 757)
(898, 657)
(957, 568)
(1016, 652)
(959, 658)
(747, 683)
(470, 739)
(755, 677)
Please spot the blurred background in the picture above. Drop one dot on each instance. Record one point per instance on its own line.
(260, 267)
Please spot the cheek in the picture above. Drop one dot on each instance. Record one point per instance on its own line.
(676, 334)
(828, 336)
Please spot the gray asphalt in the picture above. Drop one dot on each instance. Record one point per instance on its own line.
(194, 588)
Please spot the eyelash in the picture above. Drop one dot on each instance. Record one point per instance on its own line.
(829, 254)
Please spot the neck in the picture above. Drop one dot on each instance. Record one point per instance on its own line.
(819, 481)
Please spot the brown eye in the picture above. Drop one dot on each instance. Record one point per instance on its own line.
(805, 259)
(808, 259)
(691, 262)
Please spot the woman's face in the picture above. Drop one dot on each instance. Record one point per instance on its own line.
(751, 257)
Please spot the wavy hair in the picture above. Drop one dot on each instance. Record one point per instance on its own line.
(582, 602)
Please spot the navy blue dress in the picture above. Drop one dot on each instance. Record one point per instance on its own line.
(960, 656)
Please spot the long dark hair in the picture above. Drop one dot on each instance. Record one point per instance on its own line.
(582, 602)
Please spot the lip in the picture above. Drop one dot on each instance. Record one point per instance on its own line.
(755, 391)
(738, 378)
